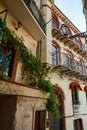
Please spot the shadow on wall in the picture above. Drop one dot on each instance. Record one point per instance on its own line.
(7, 111)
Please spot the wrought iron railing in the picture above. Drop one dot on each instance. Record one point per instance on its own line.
(77, 42)
(76, 106)
(84, 47)
(66, 60)
(77, 66)
(61, 58)
(76, 109)
(36, 13)
(85, 69)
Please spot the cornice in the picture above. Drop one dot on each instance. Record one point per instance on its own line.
(64, 19)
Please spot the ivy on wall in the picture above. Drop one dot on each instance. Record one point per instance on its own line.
(34, 73)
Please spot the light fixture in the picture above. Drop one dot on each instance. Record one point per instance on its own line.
(3, 15)
(64, 30)
(18, 25)
(65, 33)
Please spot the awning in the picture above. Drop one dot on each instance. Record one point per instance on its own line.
(85, 88)
(75, 83)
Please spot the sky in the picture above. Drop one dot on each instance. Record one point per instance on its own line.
(73, 9)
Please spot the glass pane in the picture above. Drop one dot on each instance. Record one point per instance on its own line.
(6, 55)
(8, 60)
(64, 59)
(54, 55)
(70, 60)
(75, 98)
(86, 96)
(1, 56)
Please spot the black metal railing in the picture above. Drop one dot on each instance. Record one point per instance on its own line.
(36, 13)
(76, 107)
(64, 59)
(77, 42)
(61, 58)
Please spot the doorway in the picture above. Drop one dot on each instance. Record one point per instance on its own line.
(78, 124)
(7, 111)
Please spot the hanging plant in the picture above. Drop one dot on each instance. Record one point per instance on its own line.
(34, 73)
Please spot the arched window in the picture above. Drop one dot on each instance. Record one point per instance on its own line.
(55, 52)
(78, 124)
(55, 123)
(6, 59)
(54, 55)
(75, 87)
(75, 97)
(70, 57)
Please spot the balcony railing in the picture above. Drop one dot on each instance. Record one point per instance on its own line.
(36, 13)
(61, 59)
(76, 106)
(65, 63)
(76, 109)
(76, 42)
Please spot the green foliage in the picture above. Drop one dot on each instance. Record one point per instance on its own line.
(33, 72)
(4, 76)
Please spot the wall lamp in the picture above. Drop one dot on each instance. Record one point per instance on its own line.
(18, 25)
(65, 32)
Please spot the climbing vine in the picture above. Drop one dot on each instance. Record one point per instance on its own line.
(34, 73)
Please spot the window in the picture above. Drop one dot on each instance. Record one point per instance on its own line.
(80, 67)
(64, 59)
(86, 96)
(55, 123)
(54, 55)
(40, 120)
(78, 125)
(76, 65)
(6, 59)
(70, 60)
(75, 98)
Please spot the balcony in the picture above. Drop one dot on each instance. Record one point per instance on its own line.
(56, 33)
(76, 107)
(65, 64)
(29, 15)
(72, 43)
(61, 63)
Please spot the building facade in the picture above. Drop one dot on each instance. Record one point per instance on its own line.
(47, 32)
(23, 107)
(84, 2)
(69, 72)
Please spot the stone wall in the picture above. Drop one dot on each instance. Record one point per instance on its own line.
(25, 114)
